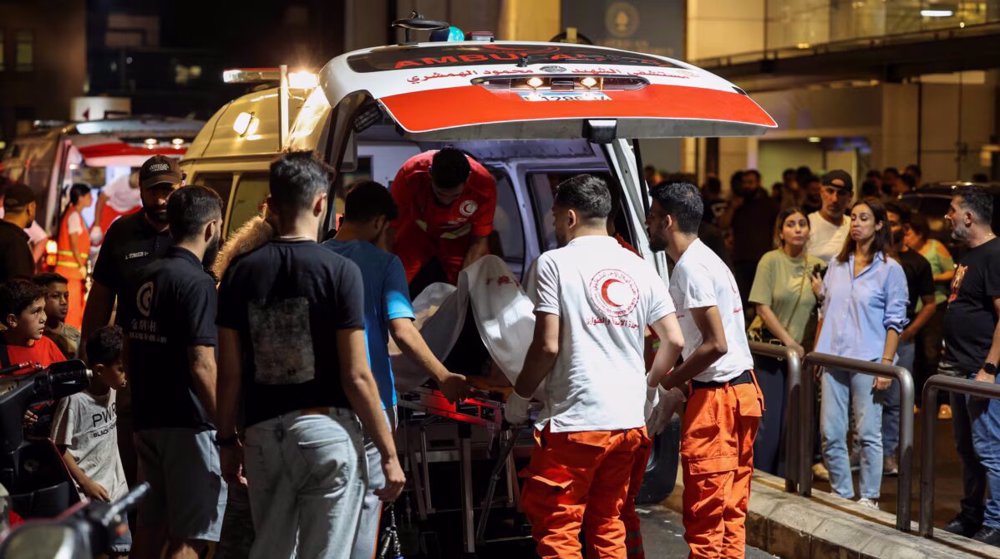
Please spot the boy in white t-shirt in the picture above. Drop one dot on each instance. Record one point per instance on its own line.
(84, 427)
(594, 301)
(724, 402)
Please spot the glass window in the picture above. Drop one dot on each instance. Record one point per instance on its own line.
(251, 191)
(543, 189)
(221, 183)
(508, 240)
(24, 51)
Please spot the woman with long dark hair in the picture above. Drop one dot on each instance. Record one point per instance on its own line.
(864, 310)
(784, 296)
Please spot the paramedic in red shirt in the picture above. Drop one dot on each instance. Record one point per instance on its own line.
(446, 203)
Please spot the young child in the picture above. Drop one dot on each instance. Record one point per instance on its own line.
(84, 427)
(22, 310)
(56, 288)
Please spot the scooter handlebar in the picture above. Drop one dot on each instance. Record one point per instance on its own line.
(130, 500)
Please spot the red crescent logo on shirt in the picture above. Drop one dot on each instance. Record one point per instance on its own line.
(613, 292)
(468, 208)
(604, 292)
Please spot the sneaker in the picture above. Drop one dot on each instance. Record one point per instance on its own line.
(868, 503)
(820, 473)
(944, 412)
(988, 535)
(959, 525)
(890, 465)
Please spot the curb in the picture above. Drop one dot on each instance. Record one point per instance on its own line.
(824, 526)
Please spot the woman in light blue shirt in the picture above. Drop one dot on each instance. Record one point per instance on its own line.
(864, 310)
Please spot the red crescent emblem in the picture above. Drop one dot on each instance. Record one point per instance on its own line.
(604, 292)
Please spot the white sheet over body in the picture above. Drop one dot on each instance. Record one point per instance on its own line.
(503, 313)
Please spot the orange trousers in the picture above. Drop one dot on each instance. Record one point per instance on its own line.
(579, 481)
(76, 303)
(633, 528)
(720, 425)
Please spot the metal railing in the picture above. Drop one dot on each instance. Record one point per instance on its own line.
(796, 469)
(930, 394)
(905, 422)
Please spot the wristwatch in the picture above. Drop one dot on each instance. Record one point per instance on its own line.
(990, 368)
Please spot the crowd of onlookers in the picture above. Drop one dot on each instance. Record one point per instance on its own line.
(819, 262)
(852, 271)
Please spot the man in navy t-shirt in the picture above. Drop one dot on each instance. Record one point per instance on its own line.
(171, 341)
(369, 209)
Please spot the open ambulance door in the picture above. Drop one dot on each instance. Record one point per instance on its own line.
(456, 92)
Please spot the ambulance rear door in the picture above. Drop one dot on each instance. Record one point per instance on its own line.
(472, 91)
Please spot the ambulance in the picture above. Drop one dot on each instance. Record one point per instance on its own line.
(534, 114)
(54, 155)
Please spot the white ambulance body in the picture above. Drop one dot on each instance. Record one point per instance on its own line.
(532, 113)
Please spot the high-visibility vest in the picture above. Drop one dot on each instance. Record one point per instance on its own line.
(65, 263)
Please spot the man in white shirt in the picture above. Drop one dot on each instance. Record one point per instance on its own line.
(724, 402)
(828, 228)
(594, 302)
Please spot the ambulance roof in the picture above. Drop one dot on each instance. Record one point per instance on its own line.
(486, 90)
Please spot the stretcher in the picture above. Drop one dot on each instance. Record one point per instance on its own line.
(488, 307)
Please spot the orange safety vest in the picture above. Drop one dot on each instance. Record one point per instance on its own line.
(65, 263)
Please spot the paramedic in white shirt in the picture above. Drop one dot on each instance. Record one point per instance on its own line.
(724, 403)
(829, 227)
(594, 302)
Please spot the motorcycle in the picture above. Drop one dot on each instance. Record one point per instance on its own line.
(32, 468)
(82, 532)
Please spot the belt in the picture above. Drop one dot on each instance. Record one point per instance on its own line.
(746, 377)
(327, 411)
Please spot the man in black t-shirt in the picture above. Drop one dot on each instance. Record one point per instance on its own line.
(171, 336)
(920, 284)
(292, 342)
(130, 245)
(15, 254)
(747, 210)
(972, 349)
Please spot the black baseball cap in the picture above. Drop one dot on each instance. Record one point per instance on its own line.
(160, 169)
(846, 183)
(17, 195)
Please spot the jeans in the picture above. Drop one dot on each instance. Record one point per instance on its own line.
(768, 451)
(371, 509)
(976, 424)
(907, 353)
(846, 392)
(307, 477)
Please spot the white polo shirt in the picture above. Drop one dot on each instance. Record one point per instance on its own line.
(605, 297)
(700, 279)
(826, 240)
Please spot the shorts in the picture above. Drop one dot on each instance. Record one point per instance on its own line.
(122, 545)
(187, 493)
